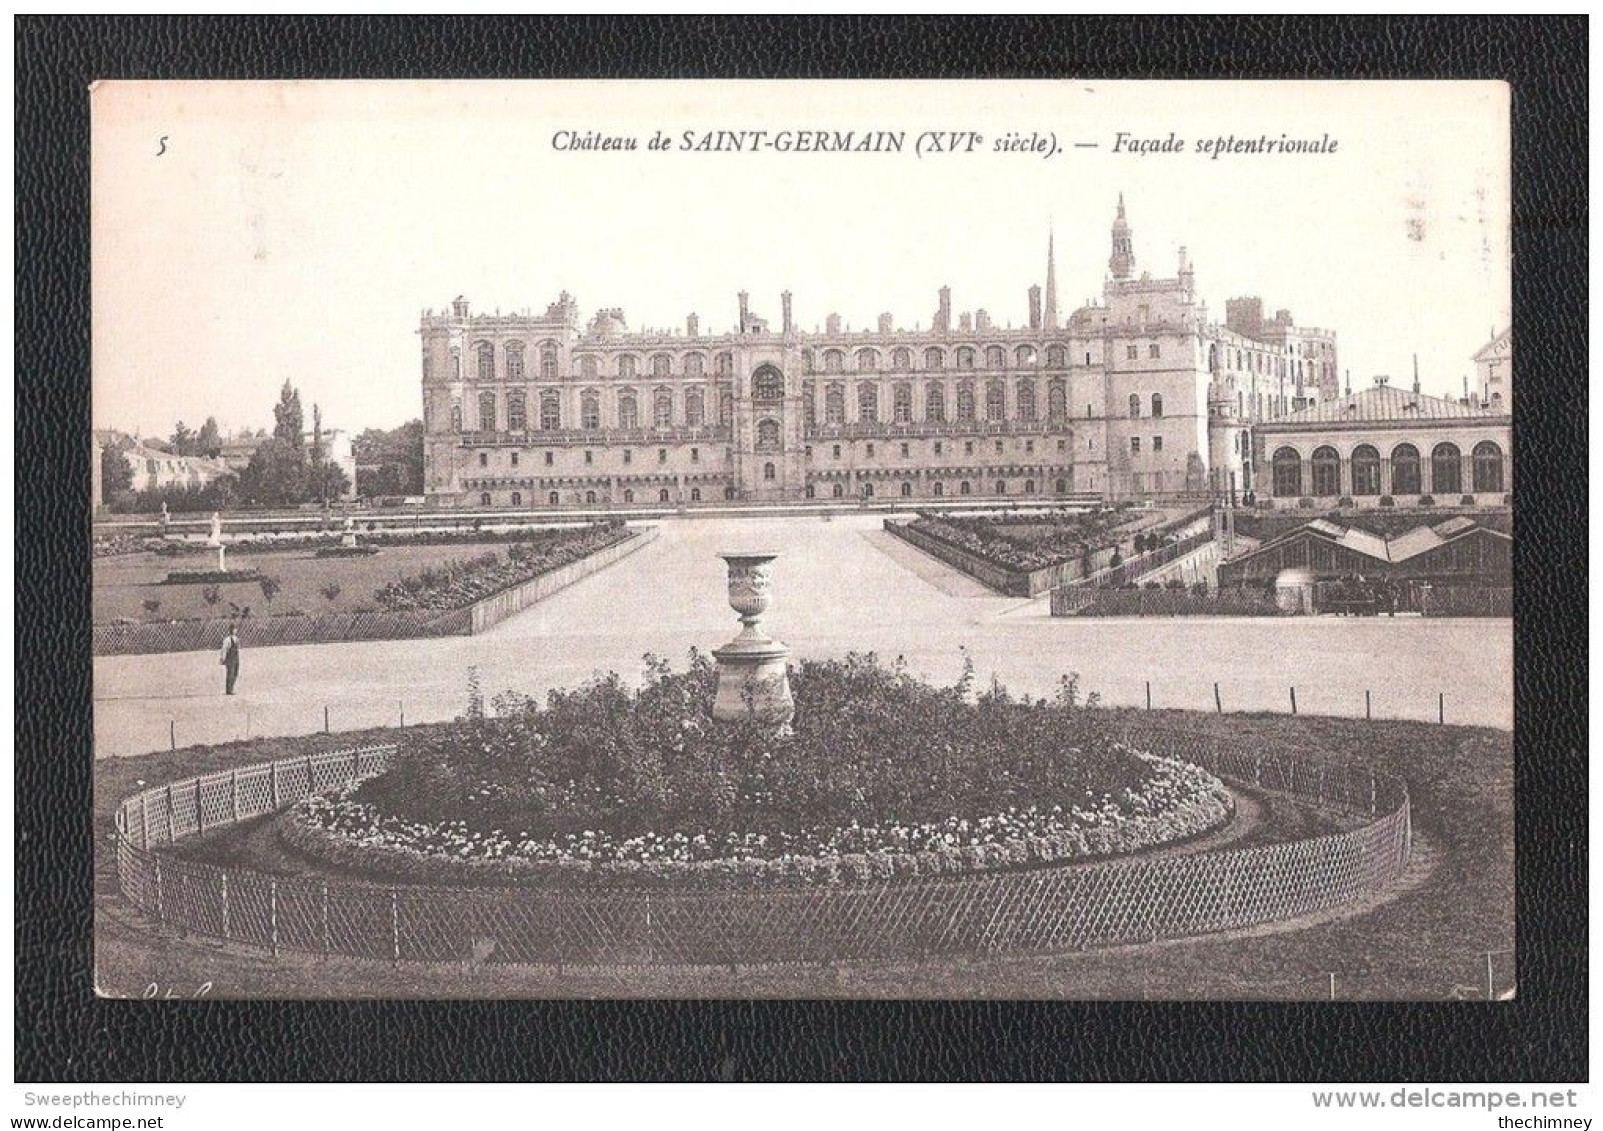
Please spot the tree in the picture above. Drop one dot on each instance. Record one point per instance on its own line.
(289, 424)
(209, 440)
(275, 476)
(328, 482)
(183, 440)
(115, 473)
(390, 462)
(319, 480)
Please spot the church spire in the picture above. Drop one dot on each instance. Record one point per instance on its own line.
(1121, 264)
(1051, 319)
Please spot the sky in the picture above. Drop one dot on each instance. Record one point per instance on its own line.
(248, 233)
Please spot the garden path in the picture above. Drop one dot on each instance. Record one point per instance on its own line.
(840, 585)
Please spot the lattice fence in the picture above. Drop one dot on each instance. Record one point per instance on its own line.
(1039, 909)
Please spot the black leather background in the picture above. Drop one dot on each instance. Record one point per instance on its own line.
(63, 1033)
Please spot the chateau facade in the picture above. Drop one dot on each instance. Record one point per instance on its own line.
(1136, 395)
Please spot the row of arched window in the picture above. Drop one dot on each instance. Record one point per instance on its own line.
(626, 367)
(837, 490)
(1026, 407)
(900, 360)
(628, 405)
(1365, 479)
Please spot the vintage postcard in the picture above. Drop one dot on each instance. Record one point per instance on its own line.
(787, 539)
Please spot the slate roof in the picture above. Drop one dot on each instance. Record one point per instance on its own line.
(1384, 404)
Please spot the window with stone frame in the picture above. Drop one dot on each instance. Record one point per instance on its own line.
(995, 401)
(1025, 396)
(965, 402)
(868, 403)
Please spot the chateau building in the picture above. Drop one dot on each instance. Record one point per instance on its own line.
(1138, 394)
(1494, 372)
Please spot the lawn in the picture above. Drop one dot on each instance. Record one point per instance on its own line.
(123, 583)
(1430, 939)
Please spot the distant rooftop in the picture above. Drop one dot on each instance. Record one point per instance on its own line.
(1385, 403)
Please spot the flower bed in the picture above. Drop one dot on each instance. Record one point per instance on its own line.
(881, 776)
(111, 545)
(1181, 801)
(211, 576)
(290, 541)
(461, 583)
(1066, 537)
(357, 551)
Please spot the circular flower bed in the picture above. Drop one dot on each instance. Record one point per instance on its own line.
(880, 776)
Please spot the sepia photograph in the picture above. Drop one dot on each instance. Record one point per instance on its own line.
(1043, 540)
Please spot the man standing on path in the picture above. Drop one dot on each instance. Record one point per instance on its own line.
(230, 658)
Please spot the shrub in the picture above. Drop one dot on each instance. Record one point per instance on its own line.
(270, 587)
(1387, 501)
(1467, 501)
(151, 605)
(1305, 503)
(1427, 501)
(211, 594)
(331, 591)
(1345, 501)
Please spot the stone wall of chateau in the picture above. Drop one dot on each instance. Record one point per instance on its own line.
(1138, 395)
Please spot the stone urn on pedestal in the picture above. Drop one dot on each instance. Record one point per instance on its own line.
(752, 679)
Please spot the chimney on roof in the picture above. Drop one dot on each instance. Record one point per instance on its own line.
(745, 308)
(784, 312)
(943, 312)
(692, 326)
(1416, 373)
(1035, 307)
(885, 322)
(1349, 382)
(965, 322)
(832, 324)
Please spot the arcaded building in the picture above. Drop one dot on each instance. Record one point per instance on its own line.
(1387, 447)
(1139, 394)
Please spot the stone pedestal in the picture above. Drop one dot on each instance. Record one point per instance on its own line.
(222, 559)
(752, 678)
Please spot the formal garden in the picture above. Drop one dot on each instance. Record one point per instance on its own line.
(880, 775)
(1026, 554)
(283, 574)
(487, 841)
